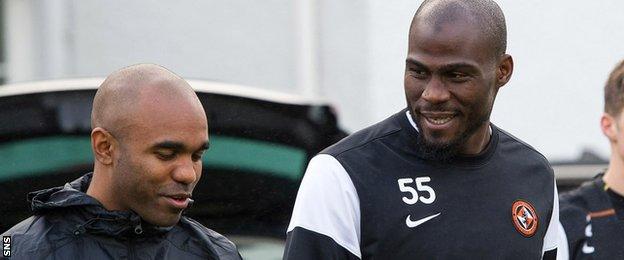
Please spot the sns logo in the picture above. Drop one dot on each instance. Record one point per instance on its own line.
(413, 195)
(6, 246)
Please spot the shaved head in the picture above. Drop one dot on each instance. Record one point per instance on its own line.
(127, 90)
(456, 63)
(149, 134)
(484, 14)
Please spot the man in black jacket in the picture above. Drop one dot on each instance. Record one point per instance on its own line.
(149, 131)
(593, 214)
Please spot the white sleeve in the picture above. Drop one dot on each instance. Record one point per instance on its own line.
(327, 203)
(563, 252)
(552, 237)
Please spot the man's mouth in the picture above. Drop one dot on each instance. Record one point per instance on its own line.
(438, 118)
(179, 200)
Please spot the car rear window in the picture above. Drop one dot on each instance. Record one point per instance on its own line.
(36, 156)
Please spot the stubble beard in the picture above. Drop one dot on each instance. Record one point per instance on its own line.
(446, 151)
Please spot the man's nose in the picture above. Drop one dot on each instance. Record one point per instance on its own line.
(436, 91)
(185, 172)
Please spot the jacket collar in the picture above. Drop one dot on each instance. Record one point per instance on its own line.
(86, 214)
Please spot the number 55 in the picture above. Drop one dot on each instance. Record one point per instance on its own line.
(420, 186)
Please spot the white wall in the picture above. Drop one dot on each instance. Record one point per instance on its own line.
(21, 21)
(345, 60)
(564, 52)
(234, 41)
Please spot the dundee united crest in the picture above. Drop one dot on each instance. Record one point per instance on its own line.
(524, 218)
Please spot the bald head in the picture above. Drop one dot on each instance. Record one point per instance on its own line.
(483, 14)
(149, 134)
(129, 90)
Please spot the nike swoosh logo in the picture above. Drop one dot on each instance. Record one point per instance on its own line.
(587, 249)
(419, 222)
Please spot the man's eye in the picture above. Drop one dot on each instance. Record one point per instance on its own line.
(418, 73)
(164, 155)
(197, 156)
(458, 76)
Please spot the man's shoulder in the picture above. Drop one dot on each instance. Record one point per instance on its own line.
(34, 226)
(574, 209)
(22, 227)
(515, 145)
(578, 200)
(382, 129)
(205, 238)
(33, 237)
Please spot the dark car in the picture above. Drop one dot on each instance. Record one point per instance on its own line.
(260, 143)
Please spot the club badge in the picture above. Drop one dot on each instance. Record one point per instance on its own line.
(524, 218)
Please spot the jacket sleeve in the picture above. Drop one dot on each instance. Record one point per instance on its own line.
(326, 219)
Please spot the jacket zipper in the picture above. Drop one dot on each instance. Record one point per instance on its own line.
(137, 230)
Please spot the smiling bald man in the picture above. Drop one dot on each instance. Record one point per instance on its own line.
(149, 132)
(436, 180)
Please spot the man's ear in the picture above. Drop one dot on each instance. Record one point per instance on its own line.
(608, 125)
(504, 71)
(102, 143)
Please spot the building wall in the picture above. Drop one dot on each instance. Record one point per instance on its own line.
(232, 41)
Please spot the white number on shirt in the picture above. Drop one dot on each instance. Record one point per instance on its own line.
(412, 196)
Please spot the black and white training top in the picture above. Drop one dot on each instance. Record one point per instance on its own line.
(592, 216)
(370, 196)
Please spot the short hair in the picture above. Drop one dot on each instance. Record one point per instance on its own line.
(614, 91)
(487, 14)
(118, 94)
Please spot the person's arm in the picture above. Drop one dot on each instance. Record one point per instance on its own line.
(573, 226)
(325, 223)
(552, 237)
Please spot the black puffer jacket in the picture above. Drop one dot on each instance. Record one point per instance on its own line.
(68, 224)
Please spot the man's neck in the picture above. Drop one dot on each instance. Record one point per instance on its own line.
(478, 141)
(97, 189)
(614, 177)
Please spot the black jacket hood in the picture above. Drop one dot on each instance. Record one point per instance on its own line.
(89, 214)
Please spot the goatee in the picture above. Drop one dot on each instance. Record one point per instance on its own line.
(448, 151)
(440, 152)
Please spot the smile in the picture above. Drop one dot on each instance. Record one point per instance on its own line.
(438, 118)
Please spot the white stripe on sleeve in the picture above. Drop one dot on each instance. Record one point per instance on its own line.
(327, 203)
(552, 237)
(563, 252)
